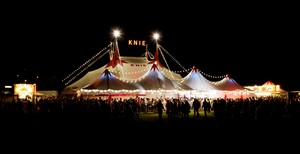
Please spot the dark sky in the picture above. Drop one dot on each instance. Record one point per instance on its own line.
(253, 43)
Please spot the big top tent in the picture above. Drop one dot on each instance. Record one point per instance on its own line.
(197, 81)
(148, 76)
(135, 74)
(229, 88)
(201, 86)
(228, 84)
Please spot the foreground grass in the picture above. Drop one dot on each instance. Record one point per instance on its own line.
(152, 116)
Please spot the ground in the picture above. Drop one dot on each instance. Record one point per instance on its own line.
(91, 131)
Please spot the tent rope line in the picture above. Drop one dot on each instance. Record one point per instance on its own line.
(90, 64)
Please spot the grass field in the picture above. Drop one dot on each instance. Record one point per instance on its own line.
(151, 116)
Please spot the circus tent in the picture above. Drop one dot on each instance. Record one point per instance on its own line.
(156, 84)
(127, 73)
(201, 86)
(229, 88)
(144, 75)
(228, 84)
(196, 81)
(152, 81)
(155, 80)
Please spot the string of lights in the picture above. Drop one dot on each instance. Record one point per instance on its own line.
(165, 60)
(160, 47)
(135, 72)
(86, 67)
(188, 70)
(212, 76)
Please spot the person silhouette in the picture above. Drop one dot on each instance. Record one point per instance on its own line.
(196, 106)
(160, 108)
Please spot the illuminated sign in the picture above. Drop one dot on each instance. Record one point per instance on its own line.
(138, 65)
(137, 42)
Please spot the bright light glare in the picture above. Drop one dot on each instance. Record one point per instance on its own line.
(156, 36)
(116, 33)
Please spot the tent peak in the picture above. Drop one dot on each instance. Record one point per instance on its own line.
(115, 56)
(194, 68)
(154, 67)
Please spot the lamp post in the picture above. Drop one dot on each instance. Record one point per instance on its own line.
(156, 37)
(116, 34)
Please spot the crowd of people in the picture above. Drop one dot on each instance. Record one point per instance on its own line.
(263, 108)
(62, 114)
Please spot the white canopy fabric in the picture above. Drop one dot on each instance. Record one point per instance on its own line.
(155, 80)
(108, 81)
(132, 69)
(228, 84)
(196, 81)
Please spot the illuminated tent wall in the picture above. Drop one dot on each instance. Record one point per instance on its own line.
(133, 68)
(156, 84)
(108, 84)
(229, 88)
(155, 80)
(153, 84)
(228, 84)
(200, 85)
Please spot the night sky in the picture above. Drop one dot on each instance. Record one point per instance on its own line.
(251, 43)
